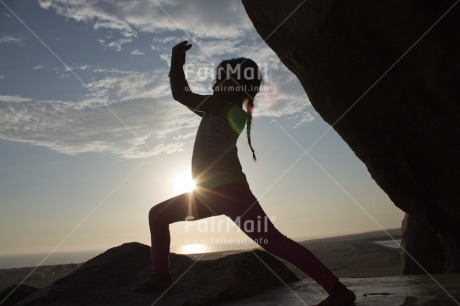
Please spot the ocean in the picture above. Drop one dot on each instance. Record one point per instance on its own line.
(32, 260)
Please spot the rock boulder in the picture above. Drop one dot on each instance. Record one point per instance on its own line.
(110, 278)
(385, 76)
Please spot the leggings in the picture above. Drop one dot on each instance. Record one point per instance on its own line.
(237, 202)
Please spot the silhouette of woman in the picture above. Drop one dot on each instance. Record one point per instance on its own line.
(221, 185)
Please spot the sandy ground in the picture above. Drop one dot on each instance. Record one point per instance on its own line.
(347, 256)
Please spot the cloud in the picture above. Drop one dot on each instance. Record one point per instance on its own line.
(46, 4)
(13, 99)
(137, 52)
(65, 72)
(131, 113)
(76, 67)
(67, 129)
(303, 119)
(2, 77)
(120, 85)
(129, 118)
(7, 39)
(218, 30)
(208, 18)
(37, 67)
(115, 44)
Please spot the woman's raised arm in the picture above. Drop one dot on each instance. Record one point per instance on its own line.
(180, 89)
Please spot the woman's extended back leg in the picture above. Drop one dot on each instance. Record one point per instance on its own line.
(253, 220)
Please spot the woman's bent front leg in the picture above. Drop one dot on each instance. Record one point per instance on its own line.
(161, 215)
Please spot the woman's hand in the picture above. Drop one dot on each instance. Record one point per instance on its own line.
(178, 54)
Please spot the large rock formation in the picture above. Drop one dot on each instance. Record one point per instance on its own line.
(393, 102)
(110, 278)
(429, 256)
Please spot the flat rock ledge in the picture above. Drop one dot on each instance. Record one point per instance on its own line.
(408, 290)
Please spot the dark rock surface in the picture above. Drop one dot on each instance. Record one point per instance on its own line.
(109, 279)
(422, 241)
(413, 290)
(405, 128)
(18, 293)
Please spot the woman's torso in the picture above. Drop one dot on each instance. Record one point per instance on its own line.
(215, 155)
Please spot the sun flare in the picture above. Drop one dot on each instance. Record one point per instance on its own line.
(183, 182)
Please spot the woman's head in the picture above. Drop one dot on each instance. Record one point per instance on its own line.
(239, 79)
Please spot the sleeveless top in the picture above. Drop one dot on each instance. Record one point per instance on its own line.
(215, 155)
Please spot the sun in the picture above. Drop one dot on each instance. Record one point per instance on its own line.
(193, 248)
(183, 182)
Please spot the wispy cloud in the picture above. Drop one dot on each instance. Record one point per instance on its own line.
(207, 18)
(120, 85)
(157, 124)
(46, 4)
(8, 39)
(76, 67)
(2, 77)
(13, 99)
(137, 52)
(142, 100)
(115, 44)
(217, 35)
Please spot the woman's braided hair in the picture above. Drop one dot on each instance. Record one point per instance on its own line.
(245, 74)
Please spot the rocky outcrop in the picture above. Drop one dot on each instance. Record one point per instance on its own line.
(13, 294)
(110, 278)
(390, 91)
(424, 243)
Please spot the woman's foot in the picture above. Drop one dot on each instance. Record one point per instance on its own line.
(157, 282)
(339, 296)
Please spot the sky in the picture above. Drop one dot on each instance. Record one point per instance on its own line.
(91, 138)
